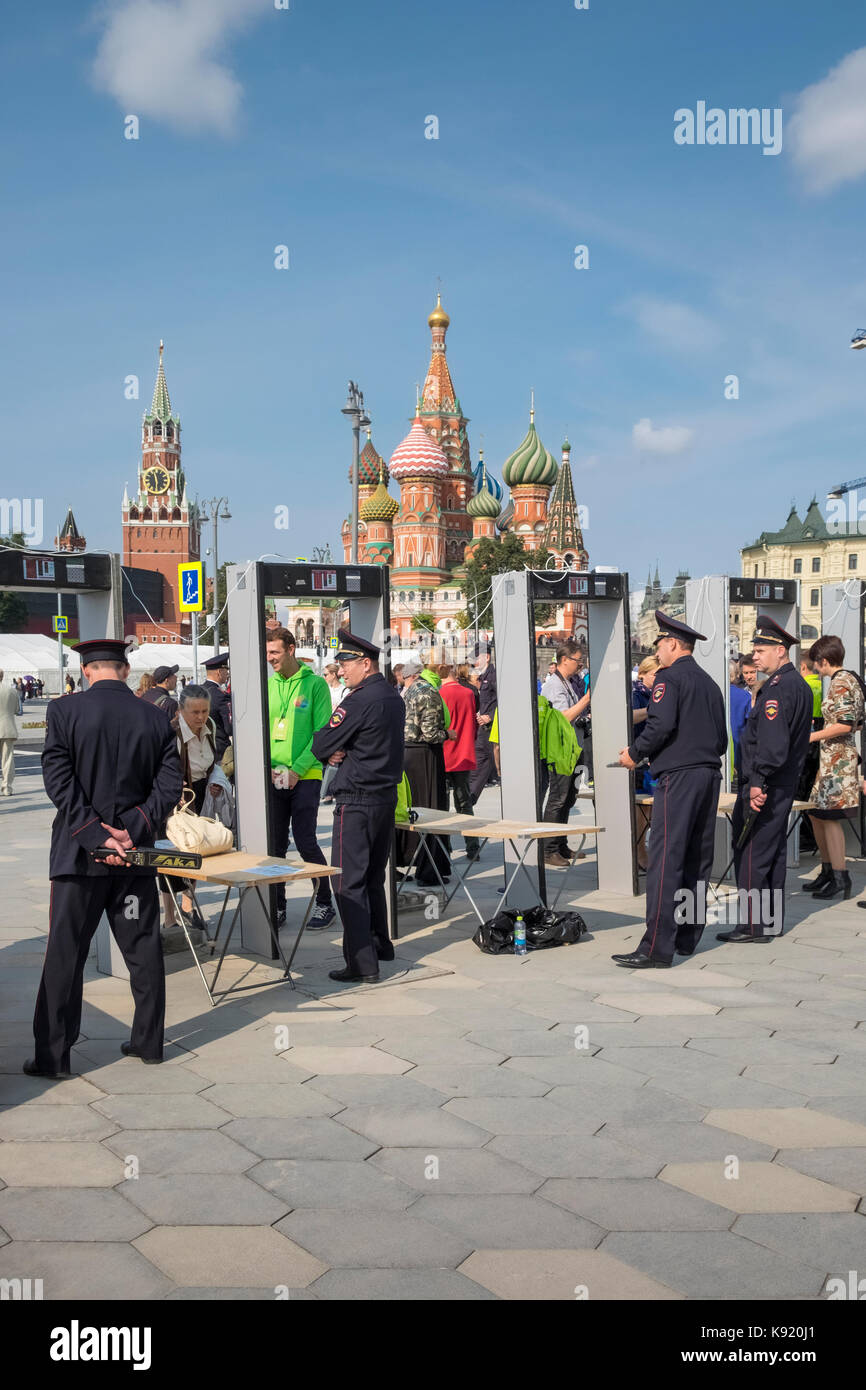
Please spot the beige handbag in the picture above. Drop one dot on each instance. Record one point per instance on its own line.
(197, 834)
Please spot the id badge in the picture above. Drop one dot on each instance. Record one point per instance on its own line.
(280, 729)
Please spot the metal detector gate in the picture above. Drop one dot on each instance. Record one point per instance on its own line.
(606, 598)
(708, 602)
(843, 615)
(95, 580)
(365, 588)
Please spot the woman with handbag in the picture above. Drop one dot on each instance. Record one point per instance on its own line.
(196, 745)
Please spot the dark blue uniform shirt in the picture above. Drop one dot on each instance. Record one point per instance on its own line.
(108, 757)
(368, 724)
(487, 691)
(685, 723)
(775, 741)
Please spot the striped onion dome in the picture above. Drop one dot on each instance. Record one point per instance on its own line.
(419, 456)
(370, 465)
(381, 506)
(485, 502)
(479, 473)
(530, 462)
(506, 517)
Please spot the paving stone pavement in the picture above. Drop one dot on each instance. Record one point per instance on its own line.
(473, 1128)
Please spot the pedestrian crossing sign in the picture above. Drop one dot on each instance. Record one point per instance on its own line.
(61, 624)
(190, 596)
(334, 643)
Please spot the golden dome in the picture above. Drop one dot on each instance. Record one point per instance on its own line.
(438, 318)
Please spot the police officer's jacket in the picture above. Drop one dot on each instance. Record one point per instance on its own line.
(685, 724)
(775, 741)
(221, 714)
(368, 724)
(108, 757)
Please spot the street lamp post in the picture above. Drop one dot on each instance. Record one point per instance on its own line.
(354, 411)
(211, 507)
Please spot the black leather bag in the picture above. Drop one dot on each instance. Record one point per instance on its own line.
(543, 930)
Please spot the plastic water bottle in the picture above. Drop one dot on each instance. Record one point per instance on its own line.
(520, 936)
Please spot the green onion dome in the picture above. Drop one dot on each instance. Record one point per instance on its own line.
(530, 462)
(484, 502)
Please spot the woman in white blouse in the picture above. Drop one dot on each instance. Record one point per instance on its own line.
(196, 746)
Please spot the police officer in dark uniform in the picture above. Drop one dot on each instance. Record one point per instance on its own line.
(220, 703)
(684, 738)
(112, 770)
(365, 738)
(773, 748)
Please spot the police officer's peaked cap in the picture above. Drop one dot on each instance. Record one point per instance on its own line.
(103, 649)
(769, 634)
(351, 647)
(213, 663)
(672, 627)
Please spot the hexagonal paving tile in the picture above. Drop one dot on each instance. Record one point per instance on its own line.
(368, 1061)
(300, 1138)
(254, 1100)
(507, 1220)
(84, 1214)
(460, 1079)
(224, 1256)
(65, 1164)
(379, 1239)
(162, 1112)
(74, 1270)
(521, 1116)
(714, 1264)
(561, 1274)
(455, 1170)
(399, 1127)
(790, 1128)
(398, 1285)
(181, 1151)
(830, 1241)
(634, 1204)
(574, 1156)
(758, 1187)
(330, 1183)
(182, 1199)
(55, 1122)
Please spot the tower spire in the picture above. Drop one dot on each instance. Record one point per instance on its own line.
(160, 406)
(531, 405)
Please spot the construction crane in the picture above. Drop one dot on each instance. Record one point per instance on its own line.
(842, 488)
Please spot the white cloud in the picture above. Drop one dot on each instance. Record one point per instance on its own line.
(827, 130)
(674, 325)
(667, 439)
(161, 59)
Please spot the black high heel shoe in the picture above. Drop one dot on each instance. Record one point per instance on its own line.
(838, 883)
(813, 884)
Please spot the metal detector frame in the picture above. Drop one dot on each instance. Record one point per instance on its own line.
(609, 652)
(366, 589)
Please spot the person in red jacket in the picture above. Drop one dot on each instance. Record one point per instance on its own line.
(460, 750)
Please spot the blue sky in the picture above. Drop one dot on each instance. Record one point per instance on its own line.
(305, 127)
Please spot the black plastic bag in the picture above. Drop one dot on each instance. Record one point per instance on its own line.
(543, 929)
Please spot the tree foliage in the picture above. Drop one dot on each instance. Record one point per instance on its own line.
(492, 557)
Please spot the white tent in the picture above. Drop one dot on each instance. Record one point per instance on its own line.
(34, 654)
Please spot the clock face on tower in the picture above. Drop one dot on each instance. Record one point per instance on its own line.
(157, 480)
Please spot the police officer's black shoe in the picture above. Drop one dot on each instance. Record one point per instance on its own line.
(129, 1051)
(31, 1069)
(346, 977)
(636, 961)
(742, 936)
(385, 952)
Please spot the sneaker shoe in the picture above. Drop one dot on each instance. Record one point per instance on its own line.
(320, 918)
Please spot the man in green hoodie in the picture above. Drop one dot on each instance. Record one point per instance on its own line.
(299, 703)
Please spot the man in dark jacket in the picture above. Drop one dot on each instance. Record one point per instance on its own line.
(162, 691)
(220, 701)
(684, 738)
(111, 768)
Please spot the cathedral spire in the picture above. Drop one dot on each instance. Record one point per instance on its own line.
(160, 406)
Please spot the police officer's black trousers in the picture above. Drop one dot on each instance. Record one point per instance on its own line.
(131, 904)
(485, 763)
(680, 861)
(360, 845)
(761, 864)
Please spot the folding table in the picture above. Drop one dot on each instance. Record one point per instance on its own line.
(248, 873)
(431, 822)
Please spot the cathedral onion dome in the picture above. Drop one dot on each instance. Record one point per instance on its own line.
(370, 465)
(485, 503)
(438, 318)
(381, 506)
(530, 462)
(479, 474)
(419, 456)
(506, 517)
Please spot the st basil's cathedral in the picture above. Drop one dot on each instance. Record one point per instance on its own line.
(447, 504)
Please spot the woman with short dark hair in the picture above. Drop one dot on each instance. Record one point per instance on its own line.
(836, 793)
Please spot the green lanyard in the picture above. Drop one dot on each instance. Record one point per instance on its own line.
(284, 703)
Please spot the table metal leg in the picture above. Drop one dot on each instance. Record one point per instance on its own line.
(521, 856)
(179, 910)
(461, 883)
